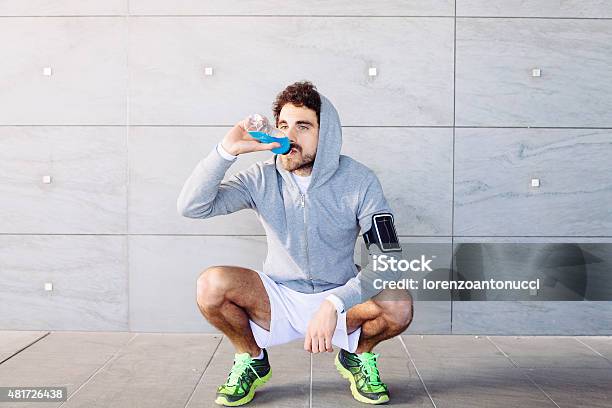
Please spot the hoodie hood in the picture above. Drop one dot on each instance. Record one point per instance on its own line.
(328, 149)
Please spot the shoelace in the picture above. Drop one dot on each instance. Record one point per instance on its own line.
(241, 363)
(368, 365)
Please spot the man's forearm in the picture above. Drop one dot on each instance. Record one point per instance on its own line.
(362, 287)
(202, 186)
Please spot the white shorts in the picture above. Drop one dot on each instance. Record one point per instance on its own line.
(290, 313)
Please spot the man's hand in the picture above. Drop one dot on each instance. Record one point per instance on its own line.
(321, 329)
(238, 141)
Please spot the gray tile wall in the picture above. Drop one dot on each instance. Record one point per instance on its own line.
(458, 123)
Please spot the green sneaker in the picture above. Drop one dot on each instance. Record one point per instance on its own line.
(245, 376)
(362, 373)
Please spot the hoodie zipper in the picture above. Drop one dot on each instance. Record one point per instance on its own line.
(303, 205)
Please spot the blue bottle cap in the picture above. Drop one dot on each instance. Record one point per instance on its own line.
(266, 138)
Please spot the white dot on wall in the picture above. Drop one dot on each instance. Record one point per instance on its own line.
(47, 71)
(535, 182)
(208, 71)
(372, 71)
(48, 286)
(46, 179)
(536, 72)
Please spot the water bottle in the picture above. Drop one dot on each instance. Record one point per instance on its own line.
(259, 128)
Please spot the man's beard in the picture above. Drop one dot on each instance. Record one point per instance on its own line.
(305, 162)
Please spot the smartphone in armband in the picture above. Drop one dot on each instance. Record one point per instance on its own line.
(382, 233)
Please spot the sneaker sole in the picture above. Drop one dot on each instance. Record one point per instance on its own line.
(247, 398)
(349, 376)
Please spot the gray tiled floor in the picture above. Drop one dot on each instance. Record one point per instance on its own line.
(121, 369)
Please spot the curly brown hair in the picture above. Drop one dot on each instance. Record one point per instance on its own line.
(299, 94)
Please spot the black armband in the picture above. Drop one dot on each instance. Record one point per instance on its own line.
(382, 233)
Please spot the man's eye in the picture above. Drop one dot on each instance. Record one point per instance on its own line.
(304, 127)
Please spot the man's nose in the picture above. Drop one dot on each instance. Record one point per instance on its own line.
(291, 134)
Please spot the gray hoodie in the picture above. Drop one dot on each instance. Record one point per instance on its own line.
(311, 237)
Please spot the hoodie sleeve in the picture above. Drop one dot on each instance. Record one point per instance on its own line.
(205, 194)
(361, 288)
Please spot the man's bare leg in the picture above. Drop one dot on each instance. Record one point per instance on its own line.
(228, 296)
(384, 316)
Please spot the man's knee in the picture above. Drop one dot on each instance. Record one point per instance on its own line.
(212, 287)
(398, 313)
